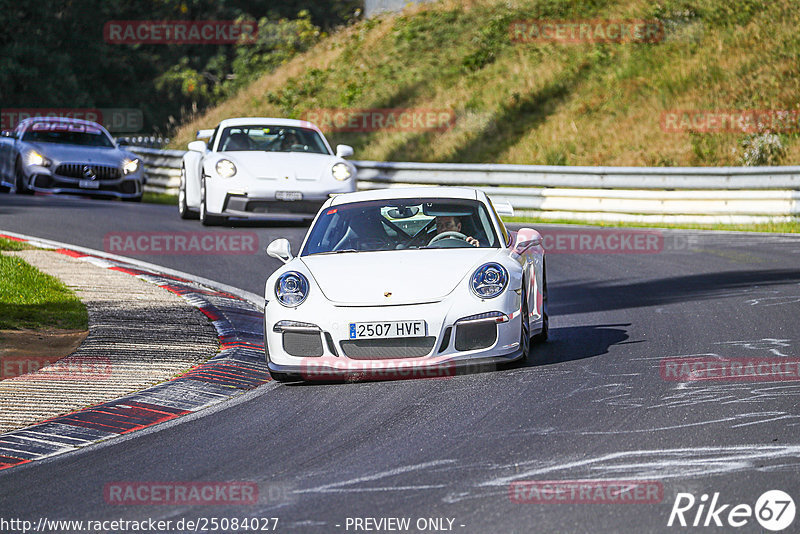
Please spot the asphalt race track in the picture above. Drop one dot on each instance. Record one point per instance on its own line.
(591, 404)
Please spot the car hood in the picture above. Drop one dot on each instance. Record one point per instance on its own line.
(410, 276)
(81, 154)
(280, 165)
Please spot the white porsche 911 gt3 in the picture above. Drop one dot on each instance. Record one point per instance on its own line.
(402, 283)
(264, 168)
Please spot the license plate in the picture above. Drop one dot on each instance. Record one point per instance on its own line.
(89, 184)
(289, 195)
(387, 329)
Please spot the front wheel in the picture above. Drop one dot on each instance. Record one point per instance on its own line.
(542, 336)
(206, 218)
(19, 181)
(525, 329)
(183, 207)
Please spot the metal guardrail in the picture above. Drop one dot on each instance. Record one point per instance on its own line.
(162, 168)
(637, 194)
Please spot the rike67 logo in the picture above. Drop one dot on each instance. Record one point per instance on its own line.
(774, 511)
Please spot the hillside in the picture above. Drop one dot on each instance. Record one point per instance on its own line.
(547, 102)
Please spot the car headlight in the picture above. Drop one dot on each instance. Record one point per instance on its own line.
(489, 280)
(291, 289)
(341, 171)
(226, 168)
(130, 166)
(34, 158)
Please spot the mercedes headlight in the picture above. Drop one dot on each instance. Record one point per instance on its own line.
(226, 168)
(291, 289)
(34, 158)
(341, 171)
(489, 280)
(130, 166)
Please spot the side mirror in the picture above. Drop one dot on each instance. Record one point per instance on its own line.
(527, 238)
(197, 146)
(281, 249)
(344, 151)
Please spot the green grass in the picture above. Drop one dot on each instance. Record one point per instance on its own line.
(778, 227)
(34, 300)
(159, 198)
(10, 244)
(543, 103)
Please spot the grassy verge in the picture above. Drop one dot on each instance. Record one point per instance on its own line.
(31, 299)
(547, 102)
(10, 244)
(159, 198)
(778, 227)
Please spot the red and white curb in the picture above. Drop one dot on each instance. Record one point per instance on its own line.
(239, 367)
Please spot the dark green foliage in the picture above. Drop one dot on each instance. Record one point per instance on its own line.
(53, 55)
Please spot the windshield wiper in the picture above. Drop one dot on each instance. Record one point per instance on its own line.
(342, 251)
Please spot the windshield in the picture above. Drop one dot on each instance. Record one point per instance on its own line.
(271, 139)
(67, 134)
(400, 224)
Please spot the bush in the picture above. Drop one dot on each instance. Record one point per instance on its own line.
(762, 149)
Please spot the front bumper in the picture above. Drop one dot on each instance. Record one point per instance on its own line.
(382, 370)
(44, 180)
(316, 345)
(242, 205)
(255, 198)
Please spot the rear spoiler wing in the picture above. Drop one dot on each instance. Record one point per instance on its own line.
(205, 134)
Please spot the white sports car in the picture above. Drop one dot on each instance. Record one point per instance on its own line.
(401, 283)
(262, 167)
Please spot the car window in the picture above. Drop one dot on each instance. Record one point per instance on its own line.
(503, 229)
(401, 224)
(67, 133)
(213, 138)
(271, 139)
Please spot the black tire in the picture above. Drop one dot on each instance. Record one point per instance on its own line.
(4, 189)
(206, 218)
(183, 208)
(133, 199)
(542, 336)
(525, 329)
(19, 180)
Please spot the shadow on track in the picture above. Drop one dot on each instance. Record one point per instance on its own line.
(576, 343)
(572, 297)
